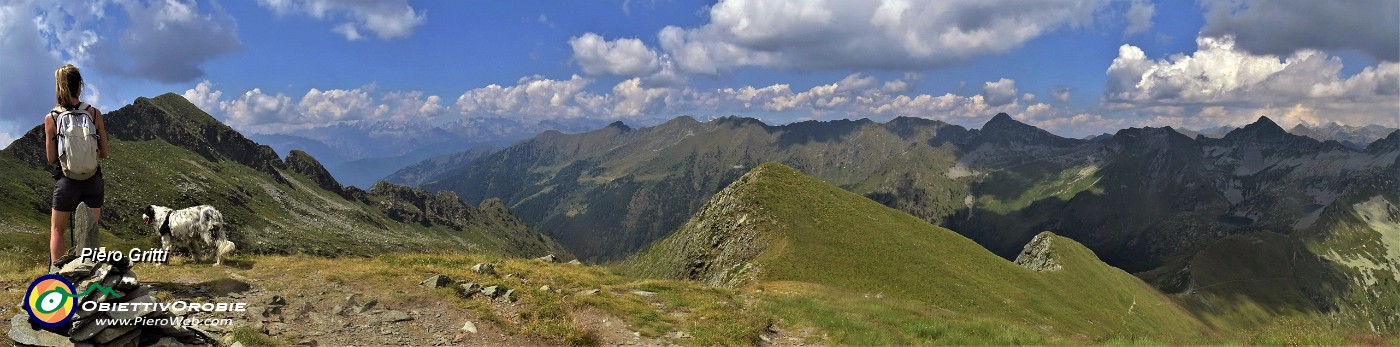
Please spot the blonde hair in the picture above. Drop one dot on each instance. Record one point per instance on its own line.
(68, 83)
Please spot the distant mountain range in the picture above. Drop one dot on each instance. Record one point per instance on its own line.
(166, 151)
(1356, 137)
(1350, 136)
(1147, 200)
(361, 153)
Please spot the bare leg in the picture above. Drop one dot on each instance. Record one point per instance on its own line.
(58, 221)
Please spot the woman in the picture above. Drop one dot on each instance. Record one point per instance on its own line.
(68, 192)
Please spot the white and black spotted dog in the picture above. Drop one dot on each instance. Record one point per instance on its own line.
(188, 227)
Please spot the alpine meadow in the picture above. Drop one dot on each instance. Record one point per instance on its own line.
(700, 173)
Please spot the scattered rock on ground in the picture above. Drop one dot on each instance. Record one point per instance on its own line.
(369, 305)
(484, 268)
(437, 281)
(469, 327)
(549, 258)
(466, 290)
(391, 316)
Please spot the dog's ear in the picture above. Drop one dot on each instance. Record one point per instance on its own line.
(150, 211)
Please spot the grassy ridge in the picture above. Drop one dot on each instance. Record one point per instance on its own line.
(844, 243)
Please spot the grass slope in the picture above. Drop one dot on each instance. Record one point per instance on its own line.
(271, 208)
(819, 241)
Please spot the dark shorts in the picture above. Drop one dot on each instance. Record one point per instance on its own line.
(67, 192)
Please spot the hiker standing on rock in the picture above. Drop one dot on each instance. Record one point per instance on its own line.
(75, 137)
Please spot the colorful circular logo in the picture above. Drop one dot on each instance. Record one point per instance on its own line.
(50, 300)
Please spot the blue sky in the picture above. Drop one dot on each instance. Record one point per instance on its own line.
(1075, 67)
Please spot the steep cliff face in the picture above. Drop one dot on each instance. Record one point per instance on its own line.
(444, 208)
(302, 163)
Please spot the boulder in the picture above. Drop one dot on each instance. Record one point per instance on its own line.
(77, 269)
(492, 291)
(22, 334)
(436, 281)
(549, 258)
(466, 290)
(484, 268)
(588, 292)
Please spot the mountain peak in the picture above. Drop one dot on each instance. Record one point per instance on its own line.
(1265, 124)
(300, 162)
(1264, 128)
(1002, 119)
(1388, 143)
(1002, 129)
(620, 126)
(1003, 123)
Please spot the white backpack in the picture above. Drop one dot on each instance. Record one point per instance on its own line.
(77, 141)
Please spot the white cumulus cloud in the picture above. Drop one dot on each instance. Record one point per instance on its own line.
(261, 112)
(336, 105)
(409, 106)
(204, 96)
(859, 34)
(627, 57)
(256, 110)
(534, 96)
(387, 19)
(1139, 17)
(1223, 84)
(1000, 92)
